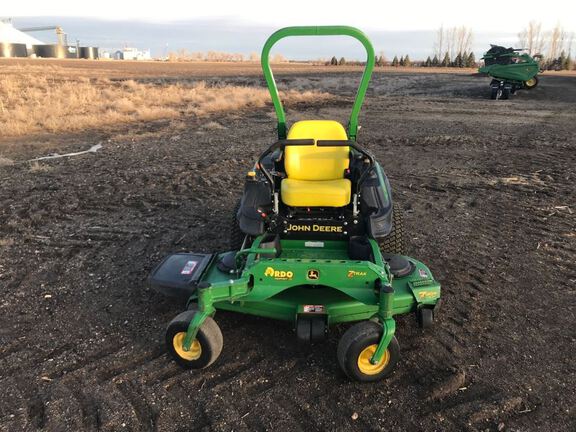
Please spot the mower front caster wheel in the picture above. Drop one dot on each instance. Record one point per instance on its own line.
(357, 347)
(205, 349)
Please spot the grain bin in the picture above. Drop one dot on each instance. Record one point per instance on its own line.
(55, 51)
(13, 49)
(88, 53)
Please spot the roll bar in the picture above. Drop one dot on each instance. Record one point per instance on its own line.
(318, 31)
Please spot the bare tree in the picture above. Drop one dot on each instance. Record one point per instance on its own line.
(532, 38)
(454, 41)
(439, 43)
(463, 40)
(569, 42)
(450, 38)
(557, 38)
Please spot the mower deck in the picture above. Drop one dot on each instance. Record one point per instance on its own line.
(353, 300)
(333, 285)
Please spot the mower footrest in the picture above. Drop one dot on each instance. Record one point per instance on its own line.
(178, 274)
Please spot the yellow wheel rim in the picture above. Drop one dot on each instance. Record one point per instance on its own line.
(530, 82)
(368, 368)
(195, 349)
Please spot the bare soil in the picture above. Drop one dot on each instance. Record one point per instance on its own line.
(156, 69)
(488, 193)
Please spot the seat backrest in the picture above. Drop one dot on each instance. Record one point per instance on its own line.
(312, 162)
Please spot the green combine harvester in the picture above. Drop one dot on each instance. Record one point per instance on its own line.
(510, 71)
(316, 241)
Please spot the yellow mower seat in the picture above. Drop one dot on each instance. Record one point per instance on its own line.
(315, 175)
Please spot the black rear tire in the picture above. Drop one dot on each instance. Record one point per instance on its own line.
(505, 93)
(493, 93)
(394, 243)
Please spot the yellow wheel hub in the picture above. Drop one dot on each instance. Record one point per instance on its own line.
(195, 349)
(530, 82)
(368, 368)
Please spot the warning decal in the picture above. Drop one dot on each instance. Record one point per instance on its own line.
(189, 267)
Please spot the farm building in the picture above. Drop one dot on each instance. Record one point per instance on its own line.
(130, 53)
(15, 43)
(18, 43)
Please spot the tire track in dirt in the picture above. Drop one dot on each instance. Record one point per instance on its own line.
(145, 413)
(89, 408)
(474, 228)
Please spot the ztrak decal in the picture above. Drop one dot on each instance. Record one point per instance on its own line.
(313, 275)
(315, 228)
(354, 273)
(278, 274)
(427, 294)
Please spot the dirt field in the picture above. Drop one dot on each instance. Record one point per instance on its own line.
(200, 69)
(488, 193)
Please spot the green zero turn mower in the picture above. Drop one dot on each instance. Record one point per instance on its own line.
(316, 241)
(510, 70)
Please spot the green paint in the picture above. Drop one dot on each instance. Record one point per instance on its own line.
(350, 290)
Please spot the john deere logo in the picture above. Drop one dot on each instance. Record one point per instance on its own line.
(313, 275)
(315, 228)
(278, 274)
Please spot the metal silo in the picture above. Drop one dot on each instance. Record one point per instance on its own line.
(88, 53)
(55, 51)
(13, 50)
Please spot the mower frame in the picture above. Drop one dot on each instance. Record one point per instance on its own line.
(318, 281)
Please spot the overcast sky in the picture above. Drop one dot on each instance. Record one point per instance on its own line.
(399, 27)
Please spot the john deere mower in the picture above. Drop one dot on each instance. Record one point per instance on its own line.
(316, 241)
(510, 70)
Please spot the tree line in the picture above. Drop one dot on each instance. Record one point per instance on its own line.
(379, 61)
(461, 60)
(219, 56)
(452, 47)
(554, 46)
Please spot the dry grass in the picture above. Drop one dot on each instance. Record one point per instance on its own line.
(5, 161)
(37, 167)
(33, 101)
(213, 126)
